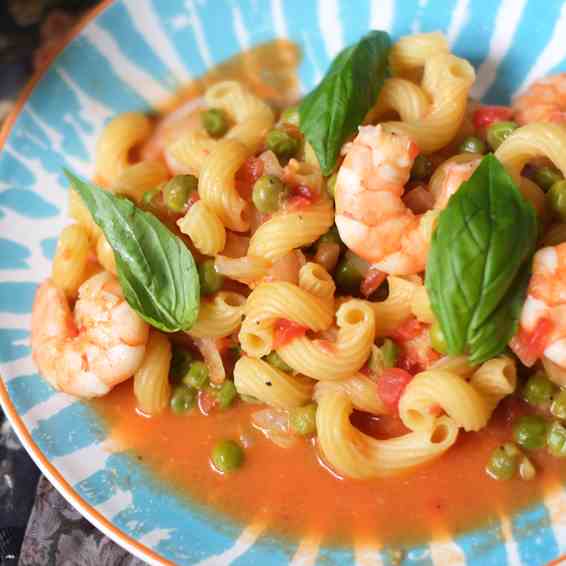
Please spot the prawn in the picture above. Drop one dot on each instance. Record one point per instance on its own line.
(543, 101)
(371, 217)
(542, 330)
(87, 352)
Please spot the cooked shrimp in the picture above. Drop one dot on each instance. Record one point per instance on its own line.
(455, 173)
(542, 328)
(371, 216)
(88, 353)
(544, 101)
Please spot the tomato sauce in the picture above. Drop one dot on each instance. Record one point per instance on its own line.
(295, 494)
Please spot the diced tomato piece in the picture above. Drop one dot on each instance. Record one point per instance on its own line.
(287, 330)
(408, 329)
(435, 410)
(206, 402)
(530, 346)
(292, 130)
(373, 279)
(414, 150)
(247, 175)
(410, 363)
(390, 386)
(297, 203)
(484, 116)
(365, 370)
(224, 344)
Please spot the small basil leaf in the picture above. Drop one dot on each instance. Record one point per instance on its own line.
(478, 265)
(156, 270)
(338, 105)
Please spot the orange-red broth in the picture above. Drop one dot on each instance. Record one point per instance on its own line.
(291, 491)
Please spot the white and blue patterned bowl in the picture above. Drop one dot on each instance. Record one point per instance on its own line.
(132, 55)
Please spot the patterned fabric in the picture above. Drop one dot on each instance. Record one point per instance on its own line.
(57, 535)
(19, 477)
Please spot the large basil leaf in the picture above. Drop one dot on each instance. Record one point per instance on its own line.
(156, 270)
(478, 265)
(333, 111)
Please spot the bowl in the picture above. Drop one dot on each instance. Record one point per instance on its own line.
(133, 55)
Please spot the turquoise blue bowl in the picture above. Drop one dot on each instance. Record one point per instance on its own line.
(131, 55)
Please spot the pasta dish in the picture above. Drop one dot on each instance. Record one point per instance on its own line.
(367, 276)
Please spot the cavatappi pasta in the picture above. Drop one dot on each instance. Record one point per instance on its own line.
(357, 455)
(324, 360)
(120, 136)
(71, 259)
(220, 316)
(316, 298)
(269, 385)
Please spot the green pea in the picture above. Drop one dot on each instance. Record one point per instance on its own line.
(197, 376)
(503, 462)
(331, 185)
(437, 338)
(180, 363)
(283, 144)
(210, 280)
(347, 276)
(183, 399)
(498, 132)
(268, 193)
(390, 352)
(529, 432)
(558, 407)
(149, 197)
(422, 168)
(275, 360)
(545, 177)
(227, 456)
(176, 192)
(557, 200)
(226, 394)
(215, 122)
(291, 116)
(302, 420)
(472, 145)
(331, 237)
(556, 439)
(538, 389)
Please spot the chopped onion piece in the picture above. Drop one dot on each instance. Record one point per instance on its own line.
(274, 424)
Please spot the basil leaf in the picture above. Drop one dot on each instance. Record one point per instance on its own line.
(479, 261)
(333, 111)
(156, 269)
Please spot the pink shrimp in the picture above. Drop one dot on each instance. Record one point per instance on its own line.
(542, 327)
(371, 216)
(100, 346)
(543, 101)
